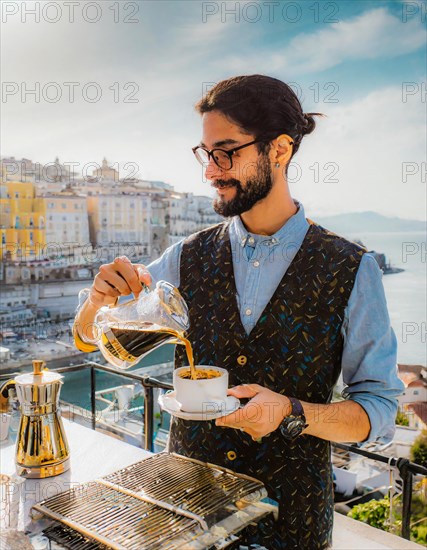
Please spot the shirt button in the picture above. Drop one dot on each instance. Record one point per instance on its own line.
(242, 360)
(251, 240)
(248, 312)
(273, 241)
(231, 455)
(256, 263)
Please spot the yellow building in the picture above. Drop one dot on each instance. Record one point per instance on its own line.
(38, 228)
(21, 222)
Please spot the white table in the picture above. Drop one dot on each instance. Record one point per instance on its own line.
(92, 455)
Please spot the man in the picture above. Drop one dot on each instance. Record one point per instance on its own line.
(280, 302)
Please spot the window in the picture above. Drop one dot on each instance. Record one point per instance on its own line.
(416, 392)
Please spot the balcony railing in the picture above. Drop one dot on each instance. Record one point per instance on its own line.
(407, 469)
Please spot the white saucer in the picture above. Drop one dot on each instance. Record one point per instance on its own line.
(168, 403)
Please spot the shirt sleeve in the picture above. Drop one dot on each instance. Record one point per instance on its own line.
(167, 267)
(369, 359)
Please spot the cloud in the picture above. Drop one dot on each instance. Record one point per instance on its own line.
(368, 141)
(374, 34)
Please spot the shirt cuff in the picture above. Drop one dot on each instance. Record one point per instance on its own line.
(382, 417)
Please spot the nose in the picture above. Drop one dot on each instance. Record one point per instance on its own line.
(212, 171)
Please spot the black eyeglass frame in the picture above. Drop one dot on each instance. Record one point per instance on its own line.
(228, 152)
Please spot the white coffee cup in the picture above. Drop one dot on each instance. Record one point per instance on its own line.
(205, 395)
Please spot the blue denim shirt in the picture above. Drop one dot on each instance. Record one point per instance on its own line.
(369, 359)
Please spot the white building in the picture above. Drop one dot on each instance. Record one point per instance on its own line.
(187, 214)
(413, 401)
(120, 218)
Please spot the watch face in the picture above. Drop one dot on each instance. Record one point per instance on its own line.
(292, 426)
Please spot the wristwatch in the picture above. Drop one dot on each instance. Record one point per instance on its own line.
(292, 425)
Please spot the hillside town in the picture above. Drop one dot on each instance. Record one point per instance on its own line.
(57, 228)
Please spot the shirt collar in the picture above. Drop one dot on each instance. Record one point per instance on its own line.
(287, 233)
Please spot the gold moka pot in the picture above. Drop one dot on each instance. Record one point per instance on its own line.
(41, 446)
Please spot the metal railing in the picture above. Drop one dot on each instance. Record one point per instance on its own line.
(147, 383)
(407, 469)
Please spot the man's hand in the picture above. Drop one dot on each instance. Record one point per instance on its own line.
(119, 278)
(261, 415)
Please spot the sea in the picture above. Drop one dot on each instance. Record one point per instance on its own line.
(405, 292)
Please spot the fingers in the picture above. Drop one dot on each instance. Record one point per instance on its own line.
(104, 287)
(143, 274)
(232, 420)
(118, 278)
(236, 421)
(245, 390)
(126, 271)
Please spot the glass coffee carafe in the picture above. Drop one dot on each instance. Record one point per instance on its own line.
(127, 332)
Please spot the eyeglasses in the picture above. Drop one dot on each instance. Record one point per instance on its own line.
(223, 158)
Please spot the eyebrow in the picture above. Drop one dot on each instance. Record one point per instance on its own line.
(222, 142)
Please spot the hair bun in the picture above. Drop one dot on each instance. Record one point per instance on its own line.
(309, 122)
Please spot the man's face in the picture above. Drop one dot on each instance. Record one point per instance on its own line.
(248, 181)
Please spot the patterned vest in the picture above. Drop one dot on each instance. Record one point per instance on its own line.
(295, 349)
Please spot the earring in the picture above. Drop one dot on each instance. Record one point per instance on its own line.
(277, 164)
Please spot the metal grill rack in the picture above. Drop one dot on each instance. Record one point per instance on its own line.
(165, 501)
(70, 539)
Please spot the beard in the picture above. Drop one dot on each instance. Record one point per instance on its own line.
(257, 188)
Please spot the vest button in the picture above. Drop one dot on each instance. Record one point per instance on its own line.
(242, 360)
(231, 455)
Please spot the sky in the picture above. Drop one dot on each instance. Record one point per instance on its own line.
(119, 79)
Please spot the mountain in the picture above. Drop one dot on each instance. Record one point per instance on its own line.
(354, 222)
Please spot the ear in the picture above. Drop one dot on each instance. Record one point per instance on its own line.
(282, 149)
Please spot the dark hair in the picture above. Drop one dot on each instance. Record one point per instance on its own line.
(262, 106)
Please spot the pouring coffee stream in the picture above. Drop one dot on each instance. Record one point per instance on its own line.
(127, 332)
(131, 344)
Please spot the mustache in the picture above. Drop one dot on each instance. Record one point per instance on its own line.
(222, 184)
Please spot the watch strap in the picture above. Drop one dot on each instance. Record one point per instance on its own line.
(297, 408)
